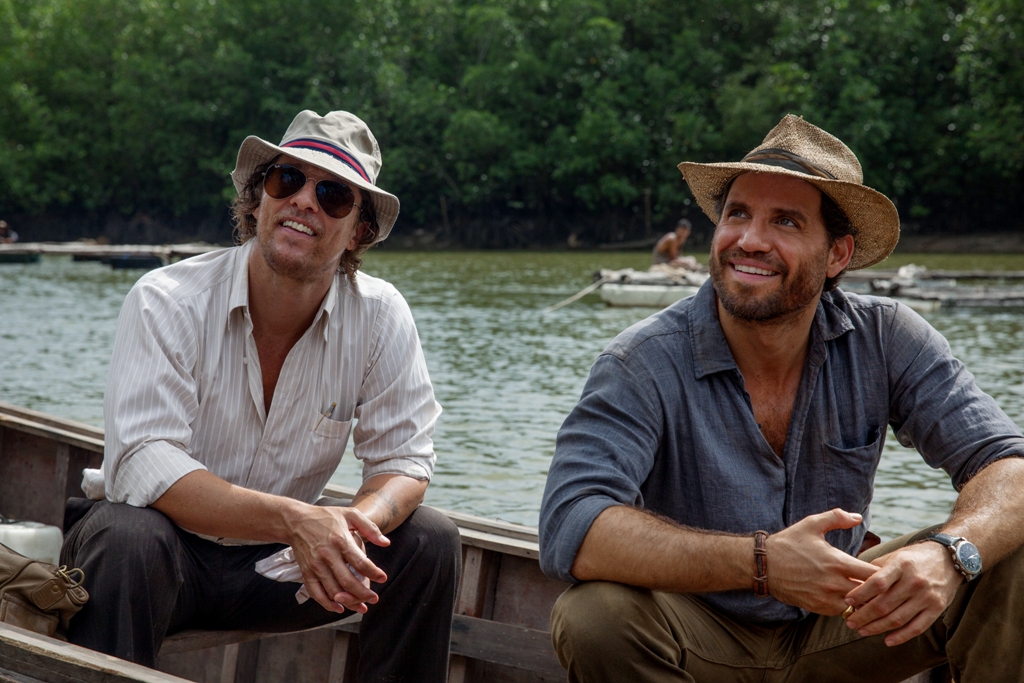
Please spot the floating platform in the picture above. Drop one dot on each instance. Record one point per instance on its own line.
(117, 255)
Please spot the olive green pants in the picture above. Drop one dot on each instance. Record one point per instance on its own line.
(612, 632)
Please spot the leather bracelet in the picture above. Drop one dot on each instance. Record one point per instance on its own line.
(760, 564)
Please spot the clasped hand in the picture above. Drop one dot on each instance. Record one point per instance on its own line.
(903, 592)
(328, 543)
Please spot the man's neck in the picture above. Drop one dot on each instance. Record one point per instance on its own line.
(280, 307)
(769, 351)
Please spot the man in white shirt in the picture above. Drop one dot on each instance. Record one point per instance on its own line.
(235, 380)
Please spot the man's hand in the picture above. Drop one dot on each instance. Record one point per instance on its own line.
(911, 590)
(325, 540)
(807, 572)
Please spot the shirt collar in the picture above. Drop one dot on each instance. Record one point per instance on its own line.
(239, 296)
(711, 352)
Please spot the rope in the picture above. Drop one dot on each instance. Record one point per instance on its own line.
(578, 295)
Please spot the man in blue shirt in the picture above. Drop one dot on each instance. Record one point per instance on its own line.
(708, 492)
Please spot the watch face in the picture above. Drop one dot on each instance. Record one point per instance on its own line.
(970, 558)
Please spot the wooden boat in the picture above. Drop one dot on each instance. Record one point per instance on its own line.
(914, 286)
(658, 287)
(925, 291)
(500, 632)
(644, 296)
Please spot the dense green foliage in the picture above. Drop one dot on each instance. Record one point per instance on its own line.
(510, 121)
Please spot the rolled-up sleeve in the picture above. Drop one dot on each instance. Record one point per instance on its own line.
(604, 452)
(150, 398)
(938, 408)
(396, 410)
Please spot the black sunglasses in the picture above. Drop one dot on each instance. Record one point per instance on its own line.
(281, 181)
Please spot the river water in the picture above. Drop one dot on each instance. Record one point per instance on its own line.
(505, 373)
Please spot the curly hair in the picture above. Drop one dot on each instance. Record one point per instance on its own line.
(836, 223)
(248, 200)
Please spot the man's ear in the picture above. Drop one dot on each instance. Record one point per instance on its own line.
(840, 255)
(357, 235)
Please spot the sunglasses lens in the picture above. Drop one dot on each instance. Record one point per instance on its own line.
(336, 199)
(281, 181)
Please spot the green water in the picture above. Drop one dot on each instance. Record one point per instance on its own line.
(506, 373)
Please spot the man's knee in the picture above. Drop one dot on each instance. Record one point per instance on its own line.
(590, 619)
(120, 534)
(434, 539)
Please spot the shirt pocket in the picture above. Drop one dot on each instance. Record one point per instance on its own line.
(327, 441)
(851, 473)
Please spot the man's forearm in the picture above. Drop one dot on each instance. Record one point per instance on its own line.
(990, 510)
(630, 546)
(389, 499)
(206, 504)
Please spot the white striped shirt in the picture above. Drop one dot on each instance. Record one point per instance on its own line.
(185, 391)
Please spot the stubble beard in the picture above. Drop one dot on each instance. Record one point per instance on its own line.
(305, 270)
(798, 288)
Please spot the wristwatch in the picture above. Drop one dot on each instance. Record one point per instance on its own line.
(966, 557)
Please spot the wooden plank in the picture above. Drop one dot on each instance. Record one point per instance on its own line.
(304, 656)
(246, 662)
(28, 471)
(514, 646)
(343, 657)
(51, 420)
(53, 661)
(476, 589)
(8, 676)
(477, 567)
(524, 596)
(50, 432)
(191, 641)
(501, 544)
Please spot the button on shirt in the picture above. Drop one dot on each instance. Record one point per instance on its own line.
(664, 423)
(185, 390)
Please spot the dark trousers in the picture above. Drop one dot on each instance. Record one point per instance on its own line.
(148, 578)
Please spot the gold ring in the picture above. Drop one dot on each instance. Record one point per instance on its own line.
(848, 612)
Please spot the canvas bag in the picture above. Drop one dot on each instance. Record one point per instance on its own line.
(36, 595)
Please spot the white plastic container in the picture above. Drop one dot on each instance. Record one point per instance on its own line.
(32, 539)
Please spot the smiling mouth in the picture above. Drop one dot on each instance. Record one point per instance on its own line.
(752, 270)
(298, 227)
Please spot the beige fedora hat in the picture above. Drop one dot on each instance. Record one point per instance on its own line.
(799, 149)
(339, 143)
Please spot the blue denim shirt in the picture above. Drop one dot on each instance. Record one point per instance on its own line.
(665, 424)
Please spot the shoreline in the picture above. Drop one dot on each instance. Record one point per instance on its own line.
(418, 240)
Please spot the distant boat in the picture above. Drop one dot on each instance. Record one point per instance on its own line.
(926, 291)
(658, 287)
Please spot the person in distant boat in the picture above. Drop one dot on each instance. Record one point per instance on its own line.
(236, 379)
(709, 494)
(670, 246)
(7, 234)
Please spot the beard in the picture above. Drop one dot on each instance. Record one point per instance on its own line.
(306, 270)
(798, 289)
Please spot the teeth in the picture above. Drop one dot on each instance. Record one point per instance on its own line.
(297, 226)
(751, 269)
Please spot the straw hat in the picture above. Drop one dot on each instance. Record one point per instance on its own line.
(796, 148)
(339, 143)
